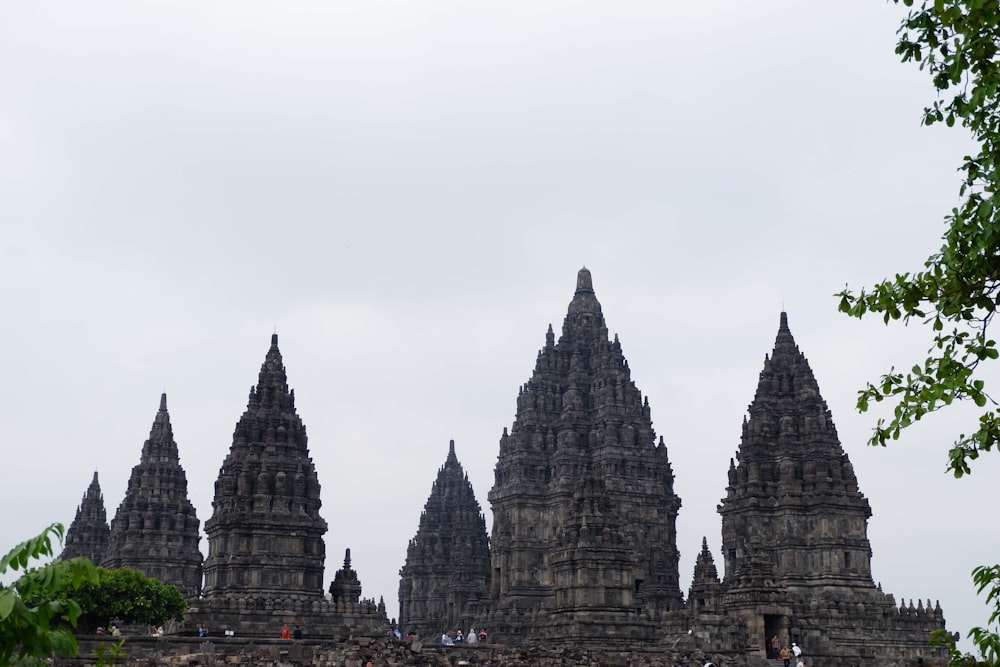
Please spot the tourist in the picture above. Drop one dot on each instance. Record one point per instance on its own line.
(202, 630)
(473, 638)
(785, 655)
(796, 650)
(483, 636)
(285, 632)
(158, 631)
(775, 647)
(115, 632)
(458, 637)
(800, 663)
(297, 633)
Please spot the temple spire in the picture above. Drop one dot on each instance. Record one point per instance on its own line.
(88, 534)
(267, 487)
(155, 529)
(445, 582)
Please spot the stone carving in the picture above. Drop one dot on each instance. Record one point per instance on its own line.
(155, 529)
(582, 429)
(265, 536)
(346, 587)
(445, 583)
(795, 528)
(88, 534)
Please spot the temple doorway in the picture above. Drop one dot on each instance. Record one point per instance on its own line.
(774, 626)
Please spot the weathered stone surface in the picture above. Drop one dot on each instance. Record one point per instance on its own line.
(88, 534)
(445, 582)
(265, 536)
(155, 529)
(795, 530)
(582, 447)
(346, 586)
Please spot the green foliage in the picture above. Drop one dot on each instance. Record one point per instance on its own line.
(32, 620)
(957, 292)
(125, 595)
(106, 655)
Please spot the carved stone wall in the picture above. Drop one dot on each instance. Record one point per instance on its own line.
(155, 529)
(445, 582)
(581, 419)
(795, 529)
(265, 536)
(88, 534)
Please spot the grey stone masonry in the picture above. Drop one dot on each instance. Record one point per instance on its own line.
(265, 536)
(795, 530)
(155, 529)
(88, 534)
(582, 426)
(445, 582)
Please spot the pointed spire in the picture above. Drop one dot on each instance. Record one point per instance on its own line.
(269, 486)
(88, 534)
(155, 529)
(585, 300)
(449, 557)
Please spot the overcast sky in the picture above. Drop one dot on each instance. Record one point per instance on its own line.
(405, 191)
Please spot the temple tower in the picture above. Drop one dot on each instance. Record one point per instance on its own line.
(346, 586)
(88, 535)
(265, 536)
(445, 582)
(155, 529)
(795, 528)
(814, 525)
(581, 420)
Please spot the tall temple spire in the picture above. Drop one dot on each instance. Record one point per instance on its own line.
(155, 529)
(791, 465)
(445, 582)
(88, 534)
(267, 489)
(581, 420)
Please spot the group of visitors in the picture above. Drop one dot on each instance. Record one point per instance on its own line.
(459, 639)
(778, 652)
(290, 634)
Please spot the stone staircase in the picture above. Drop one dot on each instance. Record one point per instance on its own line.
(777, 663)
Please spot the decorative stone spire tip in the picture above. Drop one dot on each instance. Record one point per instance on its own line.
(274, 340)
(783, 325)
(163, 401)
(584, 283)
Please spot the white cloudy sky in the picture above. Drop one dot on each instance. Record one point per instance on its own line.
(405, 191)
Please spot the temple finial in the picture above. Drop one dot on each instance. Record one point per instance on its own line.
(274, 340)
(584, 283)
(783, 325)
(163, 401)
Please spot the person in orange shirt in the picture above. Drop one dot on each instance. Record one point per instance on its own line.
(285, 632)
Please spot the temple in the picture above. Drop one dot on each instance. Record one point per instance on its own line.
(583, 501)
(445, 582)
(155, 529)
(795, 528)
(265, 536)
(583, 551)
(88, 535)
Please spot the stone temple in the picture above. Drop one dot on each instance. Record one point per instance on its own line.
(155, 529)
(584, 548)
(583, 551)
(88, 535)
